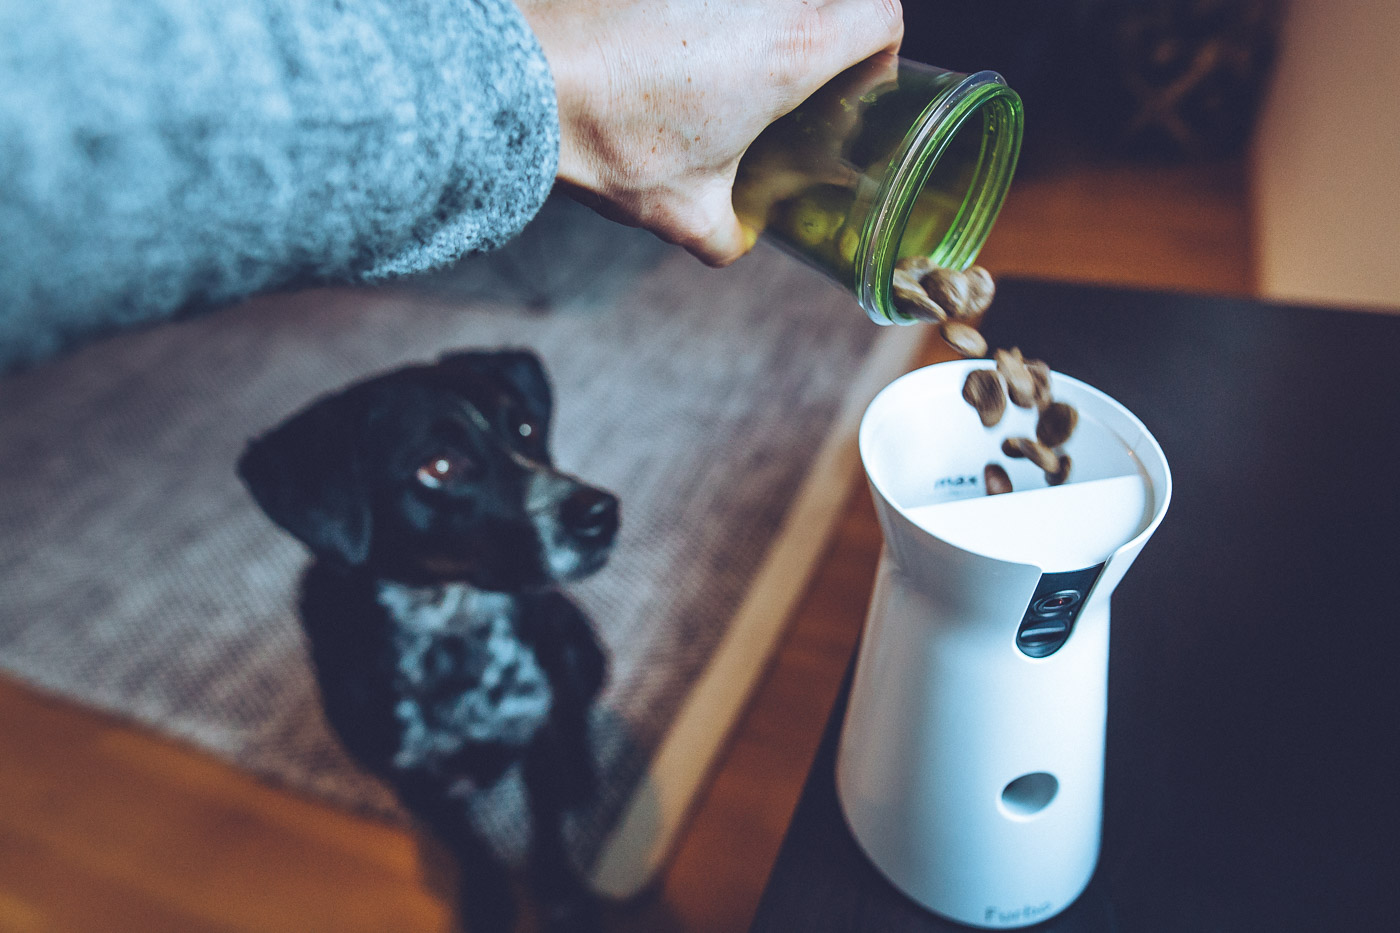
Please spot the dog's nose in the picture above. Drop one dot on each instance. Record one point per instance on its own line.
(590, 513)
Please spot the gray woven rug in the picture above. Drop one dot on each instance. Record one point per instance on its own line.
(137, 577)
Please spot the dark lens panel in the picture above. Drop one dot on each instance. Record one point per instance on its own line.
(1049, 619)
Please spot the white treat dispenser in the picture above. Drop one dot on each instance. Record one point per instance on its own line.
(970, 768)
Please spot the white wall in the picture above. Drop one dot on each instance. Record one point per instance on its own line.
(1326, 168)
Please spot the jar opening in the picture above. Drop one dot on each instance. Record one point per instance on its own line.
(954, 170)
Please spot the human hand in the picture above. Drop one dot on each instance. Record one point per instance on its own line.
(659, 99)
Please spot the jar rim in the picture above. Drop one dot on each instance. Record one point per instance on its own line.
(986, 93)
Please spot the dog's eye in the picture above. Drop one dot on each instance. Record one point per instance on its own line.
(519, 425)
(444, 471)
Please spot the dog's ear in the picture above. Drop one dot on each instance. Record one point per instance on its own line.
(306, 475)
(520, 369)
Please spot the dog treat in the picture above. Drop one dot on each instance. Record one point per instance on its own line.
(980, 289)
(963, 338)
(1056, 424)
(916, 266)
(1020, 384)
(1056, 467)
(808, 222)
(909, 295)
(1040, 375)
(931, 293)
(995, 479)
(1027, 382)
(983, 392)
(1034, 451)
(948, 289)
(910, 298)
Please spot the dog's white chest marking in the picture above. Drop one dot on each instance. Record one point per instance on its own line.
(463, 675)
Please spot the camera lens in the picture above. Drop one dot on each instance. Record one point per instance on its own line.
(1056, 602)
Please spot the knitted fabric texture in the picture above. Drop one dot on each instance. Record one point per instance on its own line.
(162, 156)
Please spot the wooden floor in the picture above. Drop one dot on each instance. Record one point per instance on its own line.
(106, 828)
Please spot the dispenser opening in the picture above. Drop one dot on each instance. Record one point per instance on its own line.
(925, 450)
(1029, 794)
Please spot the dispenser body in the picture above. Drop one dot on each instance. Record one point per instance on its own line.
(971, 760)
(970, 773)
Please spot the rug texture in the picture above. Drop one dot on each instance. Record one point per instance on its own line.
(136, 575)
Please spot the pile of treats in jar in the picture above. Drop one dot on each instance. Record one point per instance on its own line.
(952, 298)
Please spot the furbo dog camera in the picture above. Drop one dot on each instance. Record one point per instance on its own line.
(971, 761)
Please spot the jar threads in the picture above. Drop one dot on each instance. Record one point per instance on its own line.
(983, 96)
(890, 158)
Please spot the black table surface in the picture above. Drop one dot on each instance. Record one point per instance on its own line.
(1251, 781)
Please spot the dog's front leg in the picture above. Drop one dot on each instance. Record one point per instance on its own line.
(568, 649)
(566, 904)
(487, 904)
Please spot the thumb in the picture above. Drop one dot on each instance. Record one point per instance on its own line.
(718, 237)
(726, 243)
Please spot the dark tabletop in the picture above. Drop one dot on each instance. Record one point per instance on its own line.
(1251, 782)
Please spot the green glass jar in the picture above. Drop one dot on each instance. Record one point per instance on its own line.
(891, 158)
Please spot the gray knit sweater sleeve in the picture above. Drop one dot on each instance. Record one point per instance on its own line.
(158, 156)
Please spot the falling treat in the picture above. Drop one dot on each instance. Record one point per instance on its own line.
(911, 299)
(1060, 473)
(1056, 424)
(1040, 374)
(948, 287)
(917, 266)
(1020, 384)
(983, 392)
(995, 479)
(1034, 451)
(980, 289)
(963, 338)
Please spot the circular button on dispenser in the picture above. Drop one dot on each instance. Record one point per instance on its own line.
(1056, 602)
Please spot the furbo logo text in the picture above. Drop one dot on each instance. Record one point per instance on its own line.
(955, 482)
(1021, 915)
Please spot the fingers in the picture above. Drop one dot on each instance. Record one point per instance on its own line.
(868, 26)
(830, 38)
(824, 41)
(742, 70)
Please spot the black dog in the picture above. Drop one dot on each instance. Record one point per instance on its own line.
(443, 650)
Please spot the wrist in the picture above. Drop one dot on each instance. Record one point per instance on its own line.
(559, 45)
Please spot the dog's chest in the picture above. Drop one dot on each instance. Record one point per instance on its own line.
(462, 673)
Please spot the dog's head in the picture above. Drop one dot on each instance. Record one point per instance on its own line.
(434, 474)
